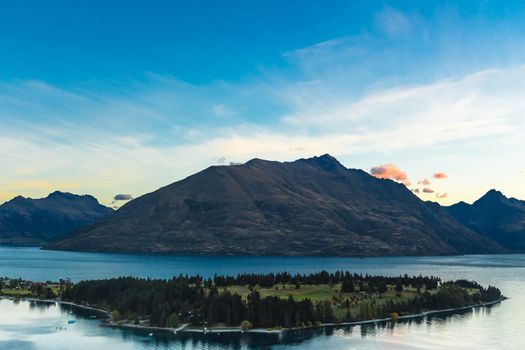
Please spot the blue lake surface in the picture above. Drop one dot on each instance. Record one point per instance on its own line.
(26, 325)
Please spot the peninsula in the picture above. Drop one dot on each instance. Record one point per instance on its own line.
(262, 302)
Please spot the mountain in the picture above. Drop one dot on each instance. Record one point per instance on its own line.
(311, 206)
(26, 221)
(496, 217)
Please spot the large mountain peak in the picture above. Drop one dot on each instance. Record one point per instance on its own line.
(312, 206)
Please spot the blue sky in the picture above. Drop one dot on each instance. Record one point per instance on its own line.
(103, 97)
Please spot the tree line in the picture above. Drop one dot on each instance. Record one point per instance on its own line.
(323, 277)
(196, 300)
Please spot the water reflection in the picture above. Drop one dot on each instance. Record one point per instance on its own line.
(37, 325)
(30, 325)
(40, 305)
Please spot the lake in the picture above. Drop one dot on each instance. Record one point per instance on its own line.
(26, 325)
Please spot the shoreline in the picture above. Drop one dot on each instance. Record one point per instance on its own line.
(214, 255)
(56, 301)
(187, 255)
(187, 328)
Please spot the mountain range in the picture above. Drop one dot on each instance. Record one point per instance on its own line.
(312, 206)
(495, 216)
(26, 221)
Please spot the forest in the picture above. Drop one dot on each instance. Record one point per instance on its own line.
(273, 300)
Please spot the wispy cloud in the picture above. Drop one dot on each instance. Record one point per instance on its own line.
(393, 22)
(86, 137)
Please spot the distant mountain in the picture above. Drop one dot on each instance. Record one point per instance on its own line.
(308, 207)
(495, 216)
(26, 221)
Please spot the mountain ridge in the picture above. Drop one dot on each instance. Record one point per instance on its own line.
(311, 206)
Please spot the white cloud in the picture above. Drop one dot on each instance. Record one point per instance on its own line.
(491, 95)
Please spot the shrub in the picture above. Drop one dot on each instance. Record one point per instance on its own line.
(173, 320)
(246, 325)
(115, 315)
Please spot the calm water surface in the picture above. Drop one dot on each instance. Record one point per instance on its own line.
(25, 325)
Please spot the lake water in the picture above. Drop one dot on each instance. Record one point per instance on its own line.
(25, 325)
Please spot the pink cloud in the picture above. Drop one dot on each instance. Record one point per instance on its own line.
(440, 176)
(428, 190)
(425, 182)
(441, 195)
(415, 190)
(392, 172)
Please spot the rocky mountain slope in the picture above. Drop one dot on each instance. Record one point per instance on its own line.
(310, 206)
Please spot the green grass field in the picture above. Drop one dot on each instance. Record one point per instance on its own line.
(333, 294)
(25, 292)
(323, 292)
(318, 292)
(15, 293)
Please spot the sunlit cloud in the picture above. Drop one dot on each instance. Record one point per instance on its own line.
(425, 182)
(440, 176)
(392, 172)
(428, 190)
